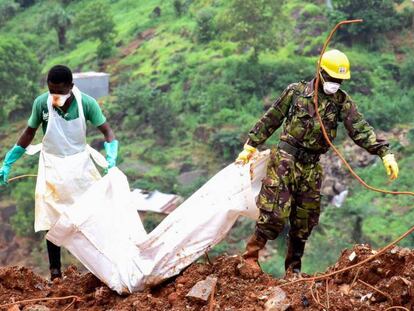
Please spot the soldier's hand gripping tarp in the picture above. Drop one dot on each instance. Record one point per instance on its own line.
(104, 232)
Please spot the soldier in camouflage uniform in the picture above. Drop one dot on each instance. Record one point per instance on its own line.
(291, 189)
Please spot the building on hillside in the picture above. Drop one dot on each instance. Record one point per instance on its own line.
(95, 84)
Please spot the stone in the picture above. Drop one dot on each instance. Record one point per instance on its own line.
(202, 290)
(173, 298)
(352, 256)
(404, 252)
(249, 269)
(345, 289)
(277, 300)
(395, 250)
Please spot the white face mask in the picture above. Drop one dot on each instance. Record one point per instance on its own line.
(59, 100)
(330, 87)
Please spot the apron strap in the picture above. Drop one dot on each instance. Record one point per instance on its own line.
(78, 96)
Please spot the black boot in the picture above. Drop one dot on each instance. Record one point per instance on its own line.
(55, 273)
(294, 255)
(54, 260)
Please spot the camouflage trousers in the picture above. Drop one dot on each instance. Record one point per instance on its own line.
(290, 191)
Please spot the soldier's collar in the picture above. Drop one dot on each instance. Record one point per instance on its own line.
(309, 88)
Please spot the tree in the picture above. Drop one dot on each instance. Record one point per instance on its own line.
(95, 21)
(163, 119)
(178, 7)
(19, 77)
(181, 6)
(57, 18)
(22, 220)
(205, 28)
(256, 24)
(8, 9)
(379, 17)
(26, 3)
(226, 143)
(138, 108)
(407, 73)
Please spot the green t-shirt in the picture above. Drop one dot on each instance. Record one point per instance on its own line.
(91, 110)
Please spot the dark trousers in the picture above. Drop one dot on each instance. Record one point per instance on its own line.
(54, 255)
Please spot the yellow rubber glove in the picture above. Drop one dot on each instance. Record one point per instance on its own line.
(245, 156)
(391, 166)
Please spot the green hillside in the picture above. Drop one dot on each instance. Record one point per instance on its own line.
(189, 78)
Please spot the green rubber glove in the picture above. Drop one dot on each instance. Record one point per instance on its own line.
(111, 150)
(12, 156)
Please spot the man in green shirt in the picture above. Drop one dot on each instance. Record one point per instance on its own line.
(62, 112)
(40, 114)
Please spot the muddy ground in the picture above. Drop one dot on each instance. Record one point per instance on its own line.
(378, 285)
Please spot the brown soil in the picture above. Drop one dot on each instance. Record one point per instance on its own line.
(391, 273)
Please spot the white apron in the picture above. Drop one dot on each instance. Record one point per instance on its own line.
(66, 169)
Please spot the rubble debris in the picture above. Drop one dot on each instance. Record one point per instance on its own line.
(352, 256)
(203, 290)
(248, 269)
(391, 273)
(277, 300)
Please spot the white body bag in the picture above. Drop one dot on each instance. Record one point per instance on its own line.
(104, 231)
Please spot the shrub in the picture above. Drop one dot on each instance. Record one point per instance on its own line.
(162, 119)
(22, 221)
(19, 77)
(205, 28)
(407, 73)
(226, 143)
(178, 7)
(379, 17)
(8, 9)
(383, 111)
(95, 21)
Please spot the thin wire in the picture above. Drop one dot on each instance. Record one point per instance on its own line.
(380, 252)
(377, 290)
(397, 307)
(41, 299)
(325, 134)
(21, 176)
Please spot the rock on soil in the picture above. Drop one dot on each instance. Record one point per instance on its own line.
(203, 290)
(386, 281)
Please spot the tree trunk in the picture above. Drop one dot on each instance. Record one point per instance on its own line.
(61, 32)
(357, 230)
(329, 5)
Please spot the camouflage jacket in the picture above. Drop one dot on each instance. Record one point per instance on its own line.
(302, 129)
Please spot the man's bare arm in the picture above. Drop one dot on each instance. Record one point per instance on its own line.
(107, 132)
(27, 137)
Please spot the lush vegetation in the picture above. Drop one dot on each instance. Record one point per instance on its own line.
(189, 79)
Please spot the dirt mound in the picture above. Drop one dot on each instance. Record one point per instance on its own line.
(386, 281)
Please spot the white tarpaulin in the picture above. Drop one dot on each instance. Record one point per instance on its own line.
(155, 201)
(104, 232)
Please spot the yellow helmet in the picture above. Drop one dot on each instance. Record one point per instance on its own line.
(336, 64)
